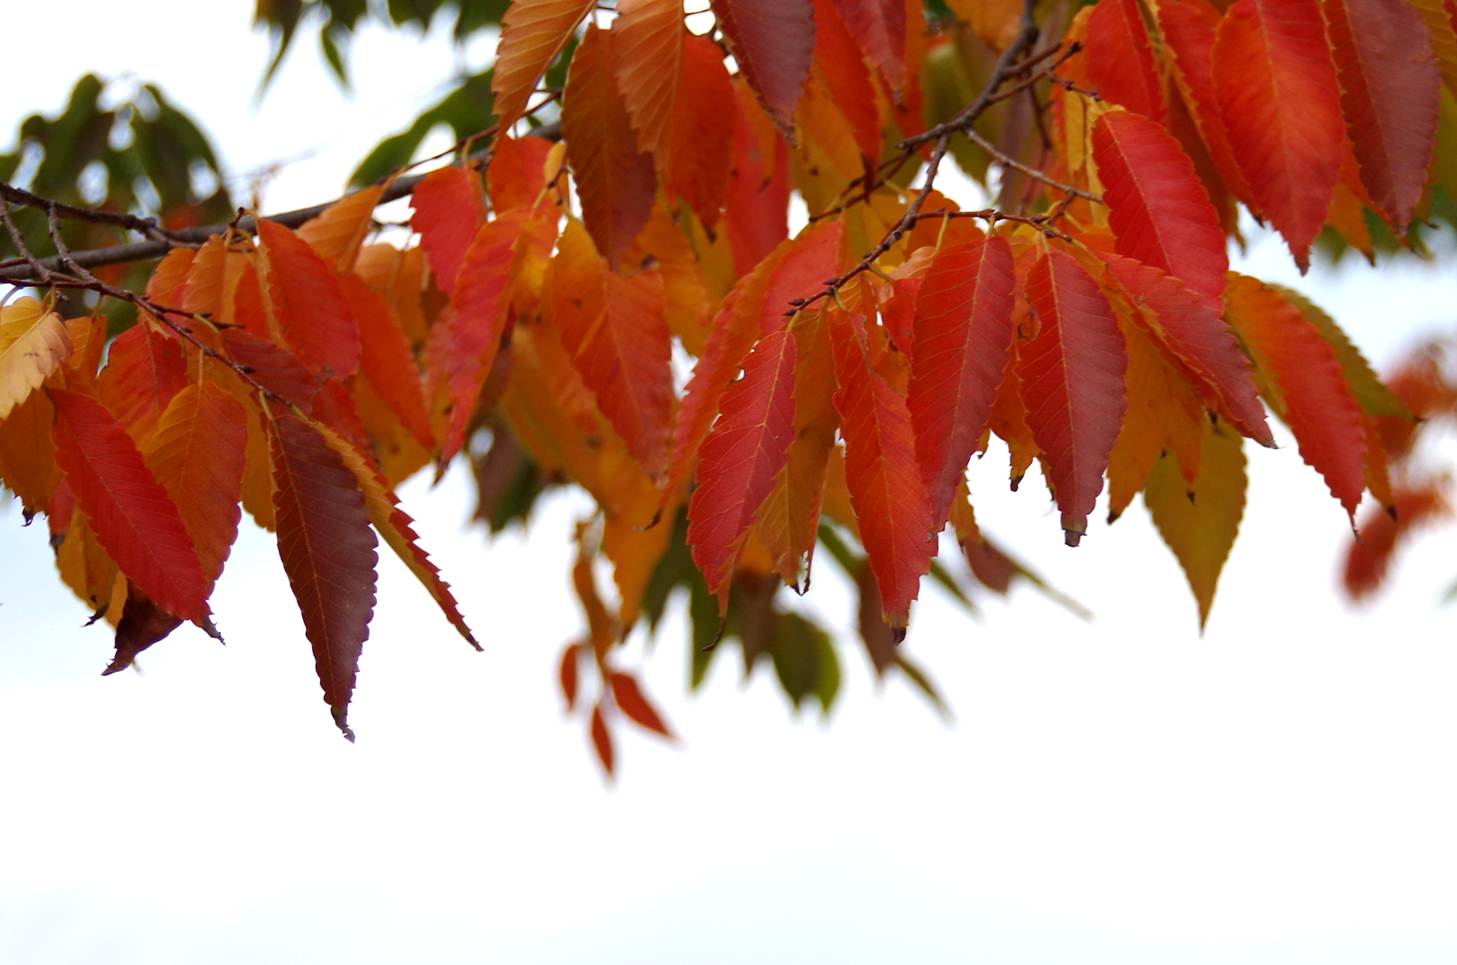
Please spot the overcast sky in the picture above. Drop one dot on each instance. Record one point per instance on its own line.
(1281, 790)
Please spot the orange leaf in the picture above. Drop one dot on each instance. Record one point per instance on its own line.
(33, 344)
(310, 307)
(614, 179)
(387, 361)
(886, 493)
(613, 328)
(567, 673)
(1390, 91)
(1281, 108)
(532, 33)
(134, 519)
(516, 175)
(747, 447)
(447, 211)
(1072, 382)
(1304, 384)
(337, 233)
(648, 41)
(328, 552)
(773, 41)
(1159, 210)
(963, 333)
(144, 370)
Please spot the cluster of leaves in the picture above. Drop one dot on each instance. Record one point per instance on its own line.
(842, 378)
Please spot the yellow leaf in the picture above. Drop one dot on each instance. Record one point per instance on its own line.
(33, 343)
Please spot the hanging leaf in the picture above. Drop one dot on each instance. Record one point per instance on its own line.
(629, 698)
(386, 359)
(1199, 522)
(700, 143)
(134, 519)
(879, 26)
(773, 42)
(648, 38)
(144, 370)
(310, 307)
(963, 334)
(33, 344)
(447, 211)
(337, 234)
(1119, 59)
(328, 552)
(1072, 383)
(533, 32)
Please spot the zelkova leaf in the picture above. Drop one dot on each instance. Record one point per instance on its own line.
(773, 41)
(134, 519)
(614, 178)
(142, 624)
(700, 140)
(397, 528)
(1119, 60)
(448, 210)
(1390, 91)
(33, 344)
(1280, 103)
(144, 370)
(879, 27)
(533, 32)
(746, 449)
(614, 330)
(1157, 205)
(1072, 383)
(1199, 522)
(963, 334)
(1304, 384)
(328, 553)
(1198, 341)
(1441, 22)
(196, 455)
(272, 366)
(648, 37)
(386, 360)
(1371, 394)
(310, 307)
(886, 492)
(629, 698)
(463, 345)
(338, 232)
(838, 64)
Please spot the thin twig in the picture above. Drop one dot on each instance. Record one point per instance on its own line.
(1006, 160)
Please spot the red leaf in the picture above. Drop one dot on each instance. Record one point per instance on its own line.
(886, 492)
(773, 41)
(447, 211)
(532, 33)
(614, 179)
(840, 66)
(1390, 91)
(1192, 333)
(614, 330)
(517, 172)
(387, 361)
(142, 624)
(464, 343)
(1307, 387)
(309, 305)
(1157, 206)
(1072, 382)
(328, 552)
(272, 366)
(963, 332)
(700, 136)
(134, 519)
(634, 705)
(1369, 556)
(1119, 59)
(738, 462)
(879, 26)
(144, 370)
(756, 202)
(196, 455)
(1279, 101)
(567, 673)
(601, 739)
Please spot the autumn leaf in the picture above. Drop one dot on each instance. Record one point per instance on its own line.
(629, 698)
(879, 26)
(386, 359)
(1280, 103)
(33, 343)
(311, 309)
(1119, 59)
(648, 39)
(615, 179)
(1304, 384)
(447, 211)
(601, 739)
(1159, 210)
(963, 334)
(773, 41)
(886, 492)
(1390, 90)
(1199, 522)
(1072, 382)
(144, 370)
(328, 553)
(338, 232)
(746, 448)
(135, 520)
(533, 32)
(699, 142)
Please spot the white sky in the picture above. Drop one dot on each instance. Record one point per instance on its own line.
(1281, 790)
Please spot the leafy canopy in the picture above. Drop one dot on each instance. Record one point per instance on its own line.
(620, 196)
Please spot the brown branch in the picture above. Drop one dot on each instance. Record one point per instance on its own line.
(32, 270)
(1006, 160)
